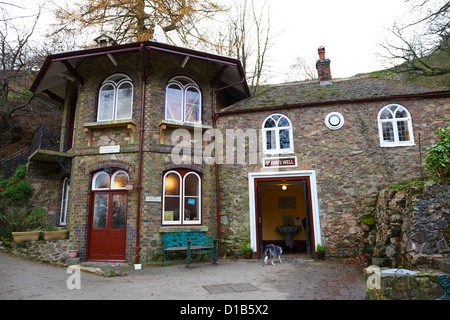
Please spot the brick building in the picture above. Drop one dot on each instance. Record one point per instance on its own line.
(138, 155)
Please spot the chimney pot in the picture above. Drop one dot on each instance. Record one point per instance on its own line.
(321, 51)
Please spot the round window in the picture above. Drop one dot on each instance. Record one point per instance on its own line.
(334, 120)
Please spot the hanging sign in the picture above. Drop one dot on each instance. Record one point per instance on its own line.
(287, 162)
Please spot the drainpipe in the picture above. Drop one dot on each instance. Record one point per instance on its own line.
(141, 143)
(214, 119)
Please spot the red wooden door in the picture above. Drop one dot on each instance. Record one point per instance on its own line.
(107, 226)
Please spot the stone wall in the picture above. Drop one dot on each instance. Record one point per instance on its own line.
(421, 286)
(55, 251)
(412, 224)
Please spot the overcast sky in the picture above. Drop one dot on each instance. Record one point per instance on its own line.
(350, 30)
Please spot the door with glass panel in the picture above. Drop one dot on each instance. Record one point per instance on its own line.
(107, 223)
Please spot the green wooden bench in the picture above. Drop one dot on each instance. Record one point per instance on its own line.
(444, 281)
(190, 241)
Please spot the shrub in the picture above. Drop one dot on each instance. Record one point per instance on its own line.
(22, 219)
(438, 157)
(16, 211)
(16, 190)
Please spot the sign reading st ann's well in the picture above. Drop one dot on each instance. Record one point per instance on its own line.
(287, 162)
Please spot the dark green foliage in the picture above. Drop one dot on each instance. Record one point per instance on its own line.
(16, 211)
(438, 157)
(16, 189)
(22, 219)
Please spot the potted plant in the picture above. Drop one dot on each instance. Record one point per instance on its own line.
(320, 250)
(23, 223)
(246, 250)
(53, 233)
(19, 218)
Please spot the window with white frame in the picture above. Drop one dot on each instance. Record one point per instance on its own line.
(277, 134)
(115, 101)
(181, 198)
(395, 126)
(64, 201)
(110, 181)
(183, 100)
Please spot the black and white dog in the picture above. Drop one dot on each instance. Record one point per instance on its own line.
(272, 251)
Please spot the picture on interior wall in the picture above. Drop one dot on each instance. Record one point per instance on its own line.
(287, 203)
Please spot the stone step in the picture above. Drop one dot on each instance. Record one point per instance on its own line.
(442, 264)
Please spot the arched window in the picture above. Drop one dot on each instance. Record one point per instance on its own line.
(395, 126)
(183, 100)
(115, 100)
(181, 198)
(102, 180)
(277, 134)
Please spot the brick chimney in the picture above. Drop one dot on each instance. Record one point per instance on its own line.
(323, 68)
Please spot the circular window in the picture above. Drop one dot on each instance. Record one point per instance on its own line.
(334, 120)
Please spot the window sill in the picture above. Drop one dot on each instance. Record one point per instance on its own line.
(168, 229)
(279, 152)
(164, 124)
(90, 127)
(393, 145)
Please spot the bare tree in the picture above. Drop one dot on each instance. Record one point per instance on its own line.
(135, 20)
(419, 42)
(18, 60)
(248, 37)
(301, 70)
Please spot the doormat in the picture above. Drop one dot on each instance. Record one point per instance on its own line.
(230, 288)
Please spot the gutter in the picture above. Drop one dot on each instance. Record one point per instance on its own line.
(141, 144)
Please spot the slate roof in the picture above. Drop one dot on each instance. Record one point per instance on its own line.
(304, 93)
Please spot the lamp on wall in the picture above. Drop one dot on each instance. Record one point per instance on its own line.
(284, 187)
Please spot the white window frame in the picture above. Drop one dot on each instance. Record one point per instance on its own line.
(182, 196)
(94, 179)
(111, 180)
(276, 130)
(198, 197)
(64, 202)
(184, 88)
(116, 85)
(114, 176)
(394, 120)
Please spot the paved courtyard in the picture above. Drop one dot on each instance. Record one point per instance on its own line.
(294, 279)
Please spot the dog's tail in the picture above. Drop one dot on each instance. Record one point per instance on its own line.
(267, 254)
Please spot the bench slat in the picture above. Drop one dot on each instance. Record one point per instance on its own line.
(179, 241)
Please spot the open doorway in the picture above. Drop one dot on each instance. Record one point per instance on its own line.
(284, 215)
(284, 211)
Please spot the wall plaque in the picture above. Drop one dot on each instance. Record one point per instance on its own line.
(109, 149)
(288, 162)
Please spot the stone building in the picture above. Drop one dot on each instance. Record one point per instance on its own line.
(138, 154)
